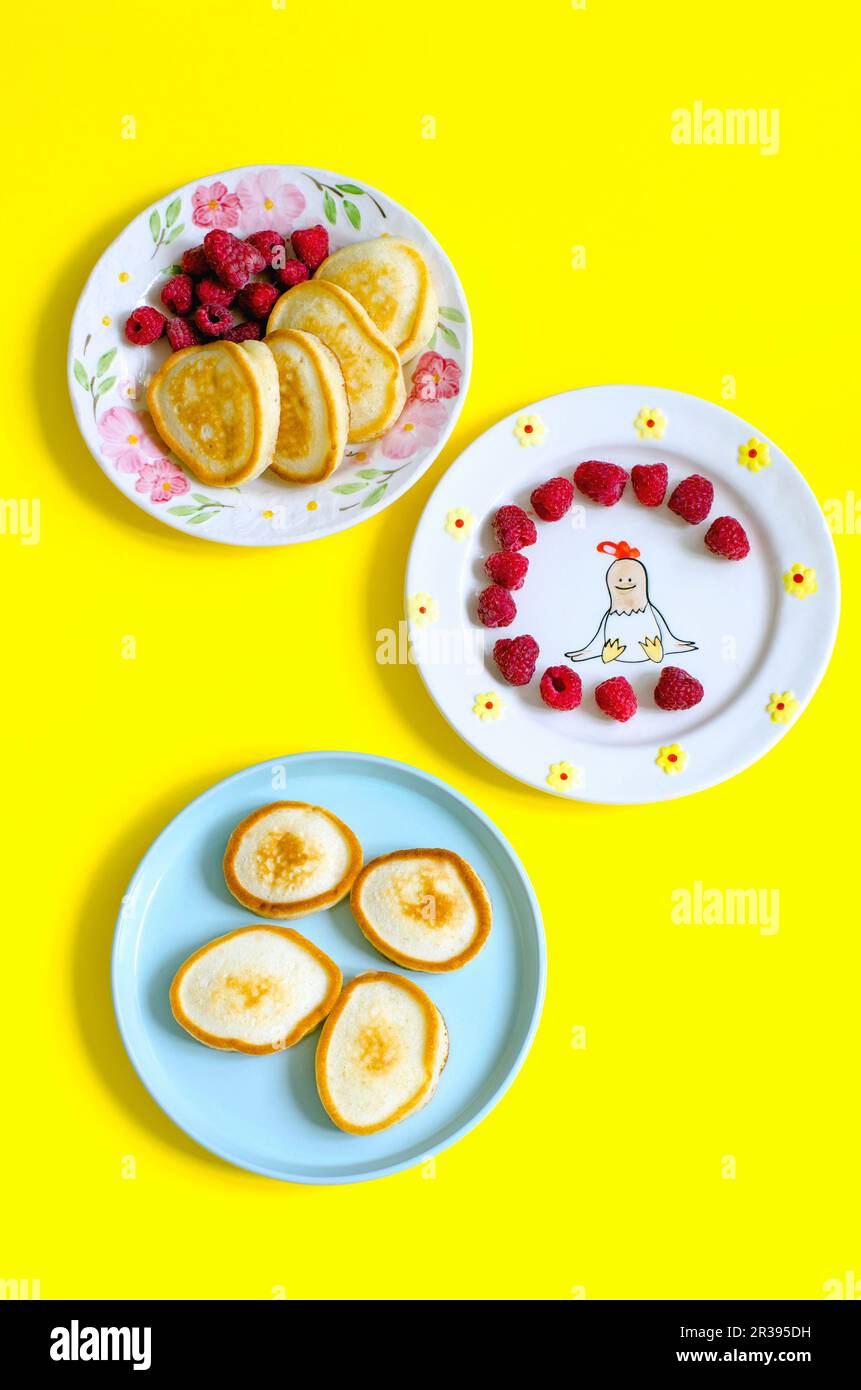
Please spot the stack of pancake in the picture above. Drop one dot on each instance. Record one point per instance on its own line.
(329, 372)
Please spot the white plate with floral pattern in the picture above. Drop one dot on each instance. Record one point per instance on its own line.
(756, 633)
(108, 376)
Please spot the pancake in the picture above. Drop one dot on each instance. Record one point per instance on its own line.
(370, 366)
(425, 909)
(290, 858)
(255, 990)
(315, 416)
(391, 280)
(216, 407)
(380, 1054)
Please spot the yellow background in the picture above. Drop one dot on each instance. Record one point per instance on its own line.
(602, 1168)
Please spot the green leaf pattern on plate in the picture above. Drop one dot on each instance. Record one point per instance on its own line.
(98, 384)
(337, 192)
(380, 476)
(163, 232)
(203, 510)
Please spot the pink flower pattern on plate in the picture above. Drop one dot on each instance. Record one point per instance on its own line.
(213, 206)
(268, 204)
(435, 378)
(129, 389)
(418, 427)
(126, 439)
(162, 479)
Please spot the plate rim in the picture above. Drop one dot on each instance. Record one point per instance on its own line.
(387, 1169)
(333, 529)
(676, 791)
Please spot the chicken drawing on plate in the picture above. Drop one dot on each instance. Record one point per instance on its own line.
(633, 627)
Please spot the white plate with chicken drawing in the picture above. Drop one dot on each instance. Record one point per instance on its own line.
(757, 633)
(108, 376)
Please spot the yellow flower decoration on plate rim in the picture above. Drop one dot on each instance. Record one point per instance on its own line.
(459, 522)
(672, 758)
(422, 609)
(488, 705)
(564, 777)
(530, 429)
(800, 581)
(782, 707)
(650, 422)
(754, 455)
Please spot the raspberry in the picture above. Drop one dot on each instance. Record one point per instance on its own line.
(561, 688)
(692, 499)
(194, 261)
(178, 294)
(291, 273)
(552, 499)
(232, 261)
(677, 690)
(496, 607)
(144, 325)
(507, 567)
(602, 482)
(516, 658)
(181, 333)
(256, 300)
(311, 245)
(213, 320)
(210, 291)
(242, 332)
(269, 244)
(616, 699)
(727, 537)
(649, 481)
(514, 529)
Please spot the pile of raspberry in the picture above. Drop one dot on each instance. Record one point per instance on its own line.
(224, 274)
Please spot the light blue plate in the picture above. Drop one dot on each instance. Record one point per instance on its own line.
(263, 1113)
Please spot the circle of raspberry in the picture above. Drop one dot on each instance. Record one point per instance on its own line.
(553, 499)
(727, 537)
(561, 688)
(649, 481)
(514, 529)
(496, 607)
(507, 567)
(516, 658)
(677, 689)
(616, 699)
(601, 482)
(692, 499)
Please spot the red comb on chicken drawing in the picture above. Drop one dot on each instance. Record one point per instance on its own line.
(633, 628)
